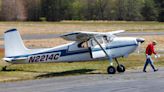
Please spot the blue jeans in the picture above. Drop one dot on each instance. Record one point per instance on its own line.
(149, 61)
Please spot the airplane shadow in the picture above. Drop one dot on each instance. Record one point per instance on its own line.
(71, 72)
(11, 70)
(55, 74)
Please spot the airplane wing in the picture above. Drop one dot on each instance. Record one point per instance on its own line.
(83, 36)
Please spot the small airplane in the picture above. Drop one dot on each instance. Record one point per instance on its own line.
(86, 46)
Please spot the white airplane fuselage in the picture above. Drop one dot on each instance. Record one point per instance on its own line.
(87, 46)
(118, 47)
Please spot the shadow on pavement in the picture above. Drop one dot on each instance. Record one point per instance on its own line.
(71, 72)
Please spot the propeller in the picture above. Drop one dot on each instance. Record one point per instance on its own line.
(139, 47)
(139, 41)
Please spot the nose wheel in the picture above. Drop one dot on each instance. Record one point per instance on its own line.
(112, 70)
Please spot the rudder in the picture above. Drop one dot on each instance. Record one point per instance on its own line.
(14, 45)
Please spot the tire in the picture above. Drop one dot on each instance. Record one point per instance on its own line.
(4, 68)
(111, 70)
(121, 68)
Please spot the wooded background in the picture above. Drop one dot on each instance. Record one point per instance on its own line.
(57, 10)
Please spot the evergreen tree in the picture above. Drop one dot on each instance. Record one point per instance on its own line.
(149, 11)
(160, 6)
(134, 10)
(121, 9)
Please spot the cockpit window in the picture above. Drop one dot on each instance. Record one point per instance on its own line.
(102, 40)
(99, 39)
(83, 44)
(106, 40)
(111, 38)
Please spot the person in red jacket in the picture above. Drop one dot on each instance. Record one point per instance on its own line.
(149, 51)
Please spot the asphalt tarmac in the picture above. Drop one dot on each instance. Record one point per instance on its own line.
(130, 81)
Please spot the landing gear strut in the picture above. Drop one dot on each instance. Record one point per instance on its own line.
(120, 67)
(112, 69)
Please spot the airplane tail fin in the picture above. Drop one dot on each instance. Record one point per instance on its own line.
(14, 45)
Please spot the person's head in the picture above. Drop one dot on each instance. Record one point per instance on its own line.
(154, 42)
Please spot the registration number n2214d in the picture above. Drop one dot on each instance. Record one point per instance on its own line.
(43, 57)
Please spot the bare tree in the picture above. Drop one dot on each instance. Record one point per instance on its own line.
(13, 10)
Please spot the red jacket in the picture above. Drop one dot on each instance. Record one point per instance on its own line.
(150, 49)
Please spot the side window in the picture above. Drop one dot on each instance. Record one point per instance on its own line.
(100, 40)
(110, 38)
(106, 40)
(93, 43)
(83, 44)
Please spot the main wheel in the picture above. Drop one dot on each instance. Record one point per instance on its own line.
(111, 70)
(120, 68)
(4, 68)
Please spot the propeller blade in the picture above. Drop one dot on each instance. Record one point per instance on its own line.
(139, 47)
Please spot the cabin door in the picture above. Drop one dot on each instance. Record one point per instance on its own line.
(95, 49)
